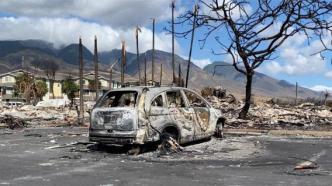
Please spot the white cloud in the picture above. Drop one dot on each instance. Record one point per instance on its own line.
(321, 88)
(63, 31)
(328, 74)
(201, 62)
(297, 58)
(236, 13)
(122, 14)
(272, 67)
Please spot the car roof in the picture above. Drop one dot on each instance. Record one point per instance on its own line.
(151, 89)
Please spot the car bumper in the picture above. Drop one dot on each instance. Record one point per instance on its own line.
(113, 137)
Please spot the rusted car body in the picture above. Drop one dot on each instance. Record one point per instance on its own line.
(139, 115)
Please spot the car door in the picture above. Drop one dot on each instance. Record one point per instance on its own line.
(159, 113)
(182, 115)
(202, 113)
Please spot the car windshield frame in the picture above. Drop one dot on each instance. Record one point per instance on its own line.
(118, 95)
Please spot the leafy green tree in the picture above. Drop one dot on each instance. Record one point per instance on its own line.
(26, 87)
(23, 86)
(69, 87)
(92, 84)
(40, 89)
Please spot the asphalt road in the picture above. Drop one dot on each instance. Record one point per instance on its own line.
(50, 157)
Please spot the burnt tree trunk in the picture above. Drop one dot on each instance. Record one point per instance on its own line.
(173, 58)
(245, 108)
(81, 68)
(52, 88)
(95, 61)
(153, 30)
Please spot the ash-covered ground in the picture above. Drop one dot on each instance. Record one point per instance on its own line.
(63, 156)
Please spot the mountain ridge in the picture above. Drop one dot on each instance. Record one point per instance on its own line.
(11, 53)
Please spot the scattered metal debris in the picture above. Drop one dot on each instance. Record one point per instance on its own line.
(33, 135)
(169, 145)
(68, 145)
(309, 163)
(306, 165)
(12, 122)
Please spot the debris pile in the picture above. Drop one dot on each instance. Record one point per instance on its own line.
(40, 115)
(267, 115)
(304, 116)
(169, 145)
(54, 103)
(214, 149)
(11, 122)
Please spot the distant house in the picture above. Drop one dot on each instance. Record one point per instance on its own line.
(7, 82)
(89, 93)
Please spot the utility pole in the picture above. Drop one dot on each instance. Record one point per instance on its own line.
(161, 74)
(138, 66)
(22, 63)
(111, 74)
(145, 69)
(95, 60)
(296, 88)
(80, 54)
(123, 63)
(153, 30)
(173, 62)
(180, 76)
(110, 81)
(191, 43)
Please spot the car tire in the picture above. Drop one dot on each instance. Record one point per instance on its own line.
(219, 131)
(165, 135)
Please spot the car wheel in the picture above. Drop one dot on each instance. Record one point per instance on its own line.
(169, 141)
(219, 132)
(165, 135)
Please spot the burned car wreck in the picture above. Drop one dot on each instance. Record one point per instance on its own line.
(139, 115)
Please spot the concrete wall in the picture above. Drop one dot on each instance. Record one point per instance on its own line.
(57, 89)
(104, 83)
(7, 79)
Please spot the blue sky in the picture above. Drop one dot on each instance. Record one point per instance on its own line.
(63, 21)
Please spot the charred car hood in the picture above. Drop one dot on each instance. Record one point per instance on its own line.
(117, 118)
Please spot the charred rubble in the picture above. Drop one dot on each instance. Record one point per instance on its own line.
(268, 114)
(265, 115)
(37, 116)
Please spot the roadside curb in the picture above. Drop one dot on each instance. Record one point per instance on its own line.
(290, 133)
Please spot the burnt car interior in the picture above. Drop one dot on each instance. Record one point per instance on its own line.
(175, 99)
(201, 109)
(158, 101)
(194, 100)
(119, 99)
